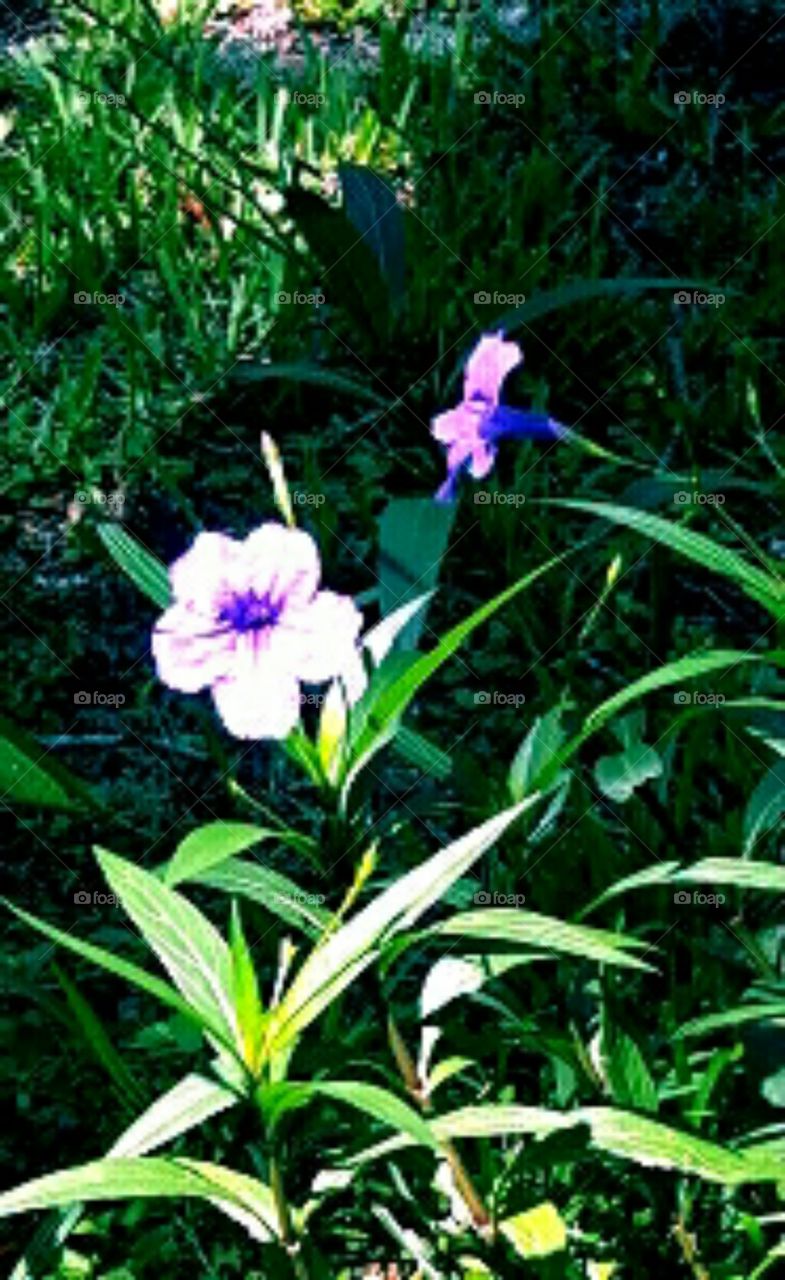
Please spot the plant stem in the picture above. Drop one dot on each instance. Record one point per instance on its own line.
(288, 1240)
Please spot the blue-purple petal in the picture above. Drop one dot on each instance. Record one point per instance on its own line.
(520, 424)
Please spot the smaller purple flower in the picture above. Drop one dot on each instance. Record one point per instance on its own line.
(249, 622)
(471, 431)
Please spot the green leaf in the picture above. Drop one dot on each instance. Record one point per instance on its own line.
(766, 806)
(191, 950)
(140, 565)
(538, 750)
(545, 933)
(380, 708)
(631, 1082)
(213, 843)
(413, 537)
(352, 275)
(122, 969)
(453, 976)
(247, 1000)
(711, 555)
(99, 1041)
(382, 1105)
(732, 871)
(536, 1233)
(730, 1018)
(242, 1198)
(189, 1103)
(578, 291)
(618, 776)
(372, 207)
(30, 775)
(315, 375)
(333, 966)
(620, 1133)
(275, 892)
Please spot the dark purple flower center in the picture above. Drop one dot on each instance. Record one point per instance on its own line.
(250, 612)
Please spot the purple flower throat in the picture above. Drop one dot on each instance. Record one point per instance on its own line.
(250, 612)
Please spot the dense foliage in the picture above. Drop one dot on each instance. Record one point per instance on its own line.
(448, 943)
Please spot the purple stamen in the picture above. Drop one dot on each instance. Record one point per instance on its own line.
(250, 612)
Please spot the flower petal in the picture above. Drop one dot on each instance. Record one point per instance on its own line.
(488, 366)
(483, 458)
(205, 572)
(520, 424)
(259, 698)
(319, 641)
(190, 652)
(284, 562)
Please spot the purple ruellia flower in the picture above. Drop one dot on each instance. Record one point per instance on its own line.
(249, 622)
(472, 430)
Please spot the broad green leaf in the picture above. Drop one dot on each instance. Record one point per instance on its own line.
(419, 751)
(578, 291)
(621, 1133)
(619, 775)
(189, 947)
(388, 706)
(761, 586)
(545, 933)
(123, 969)
(331, 967)
(413, 537)
(659, 874)
(30, 775)
(126, 1178)
(245, 989)
(631, 1082)
(372, 207)
(538, 750)
(732, 871)
(766, 806)
(211, 844)
(354, 280)
(188, 1104)
(381, 1104)
(730, 1018)
(537, 1232)
(272, 890)
(140, 565)
(453, 976)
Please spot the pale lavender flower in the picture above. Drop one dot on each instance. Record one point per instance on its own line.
(473, 428)
(249, 622)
